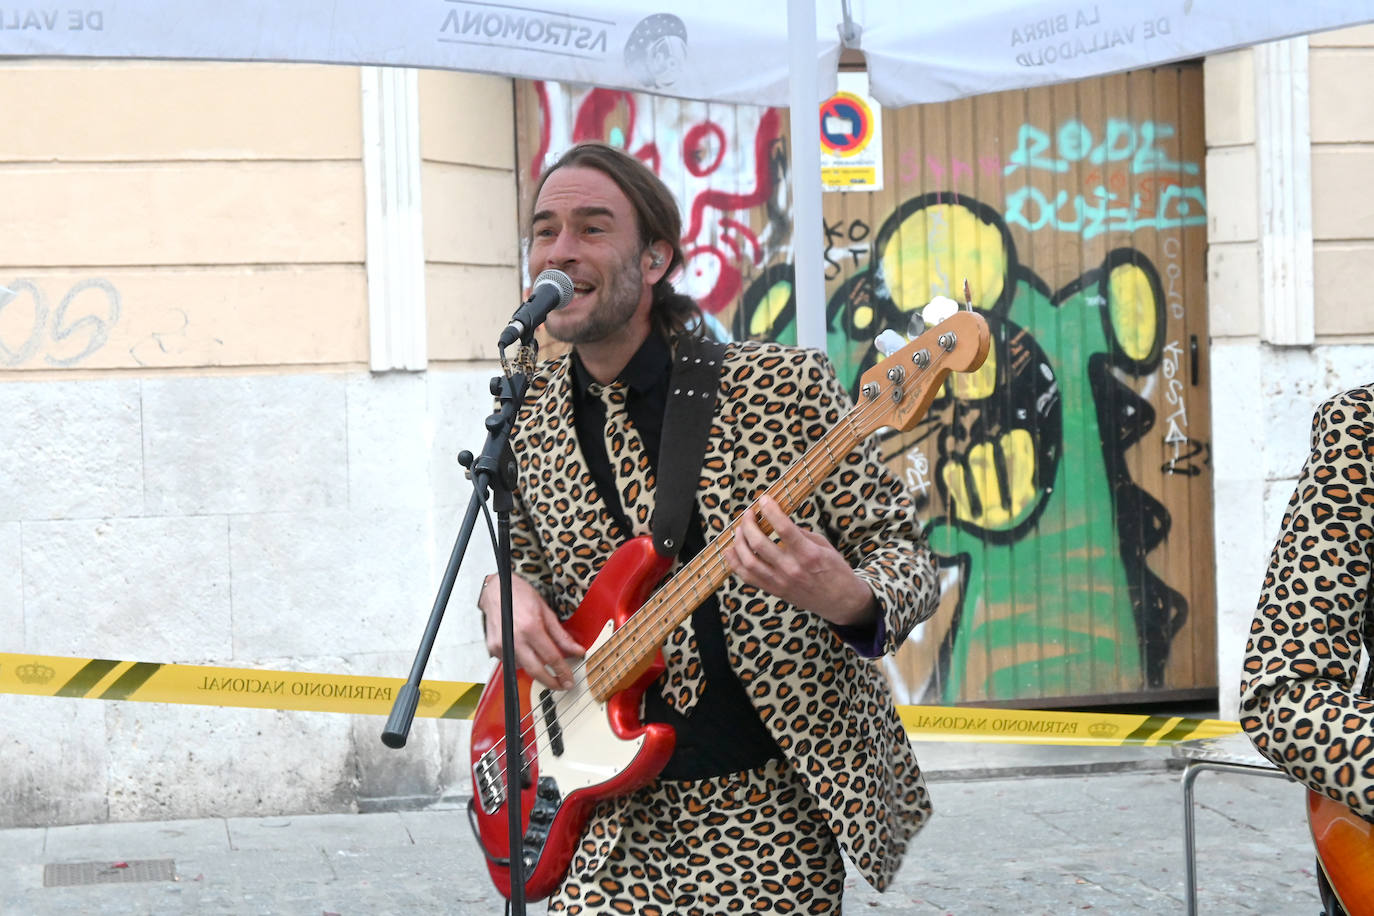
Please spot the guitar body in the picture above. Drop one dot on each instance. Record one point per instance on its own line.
(1345, 848)
(578, 750)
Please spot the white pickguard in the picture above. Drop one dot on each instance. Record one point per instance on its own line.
(592, 752)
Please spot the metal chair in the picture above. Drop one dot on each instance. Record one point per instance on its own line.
(1232, 754)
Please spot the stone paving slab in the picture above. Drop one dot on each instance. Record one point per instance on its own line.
(1097, 843)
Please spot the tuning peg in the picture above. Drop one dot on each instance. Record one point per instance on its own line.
(889, 342)
(938, 309)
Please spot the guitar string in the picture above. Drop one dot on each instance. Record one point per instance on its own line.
(639, 630)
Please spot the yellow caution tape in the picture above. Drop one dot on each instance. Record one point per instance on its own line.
(205, 685)
(1041, 726)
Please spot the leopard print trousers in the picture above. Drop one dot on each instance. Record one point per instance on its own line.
(753, 841)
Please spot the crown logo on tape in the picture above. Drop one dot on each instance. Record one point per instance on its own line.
(34, 673)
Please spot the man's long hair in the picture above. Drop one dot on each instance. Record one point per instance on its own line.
(657, 216)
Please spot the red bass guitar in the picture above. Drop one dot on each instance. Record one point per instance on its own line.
(586, 743)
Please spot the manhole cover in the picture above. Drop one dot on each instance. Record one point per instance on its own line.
(71, 874)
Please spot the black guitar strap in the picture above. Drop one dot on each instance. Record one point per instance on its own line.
(692, 388)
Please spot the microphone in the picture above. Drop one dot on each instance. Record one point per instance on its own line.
(552, 290)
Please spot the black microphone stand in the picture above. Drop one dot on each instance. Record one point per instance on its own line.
(494, 468)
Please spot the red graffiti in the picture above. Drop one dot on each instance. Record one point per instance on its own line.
(697, 145)
(941, 171)
(728, 281)
(648, 154)
(739, 229)
(763, 180)
(596, 108)
(718, 244)
(537, 163)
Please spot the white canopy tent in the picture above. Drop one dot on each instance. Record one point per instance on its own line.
(767, 53)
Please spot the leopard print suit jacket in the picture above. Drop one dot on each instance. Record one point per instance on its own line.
(830, 709)
(1299, 701)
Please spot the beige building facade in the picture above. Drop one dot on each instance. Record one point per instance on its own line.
(1290, 237)
(247, 321)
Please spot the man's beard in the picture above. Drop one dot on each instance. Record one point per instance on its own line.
(615, 307)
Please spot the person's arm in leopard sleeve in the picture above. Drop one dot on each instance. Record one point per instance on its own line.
(871, 518)
(867, 569)
(1299, 701)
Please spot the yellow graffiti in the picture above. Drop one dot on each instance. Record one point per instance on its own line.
(1131, 300)
(996, 510)
(862, 317)
(769, 309)
(978, 384)
(935, 249)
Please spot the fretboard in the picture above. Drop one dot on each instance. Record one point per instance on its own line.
(615, 664)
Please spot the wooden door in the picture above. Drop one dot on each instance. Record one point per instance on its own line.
(1067, 485)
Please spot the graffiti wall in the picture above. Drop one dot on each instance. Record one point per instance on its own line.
(1067, 484)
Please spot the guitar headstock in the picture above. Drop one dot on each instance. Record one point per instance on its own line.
(898, 391)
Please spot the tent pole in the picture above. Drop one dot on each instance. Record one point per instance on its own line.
(808, 230)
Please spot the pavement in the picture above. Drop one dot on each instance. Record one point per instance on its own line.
(1018, 829)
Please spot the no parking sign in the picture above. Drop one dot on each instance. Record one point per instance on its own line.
(851, 137)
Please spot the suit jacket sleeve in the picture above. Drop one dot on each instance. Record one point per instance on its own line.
(1299, 700)
(868, 516)
(528, 557)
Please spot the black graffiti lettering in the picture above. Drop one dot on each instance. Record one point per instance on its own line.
(832, 267)
(1181, 463)
(837, 235)
(834, 233)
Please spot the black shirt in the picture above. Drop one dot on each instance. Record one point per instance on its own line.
(722, 733)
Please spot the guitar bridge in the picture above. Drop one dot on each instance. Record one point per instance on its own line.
(488, 779)
(488, 784)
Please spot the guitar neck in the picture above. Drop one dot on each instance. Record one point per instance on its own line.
(630, 651)
(894, 393)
